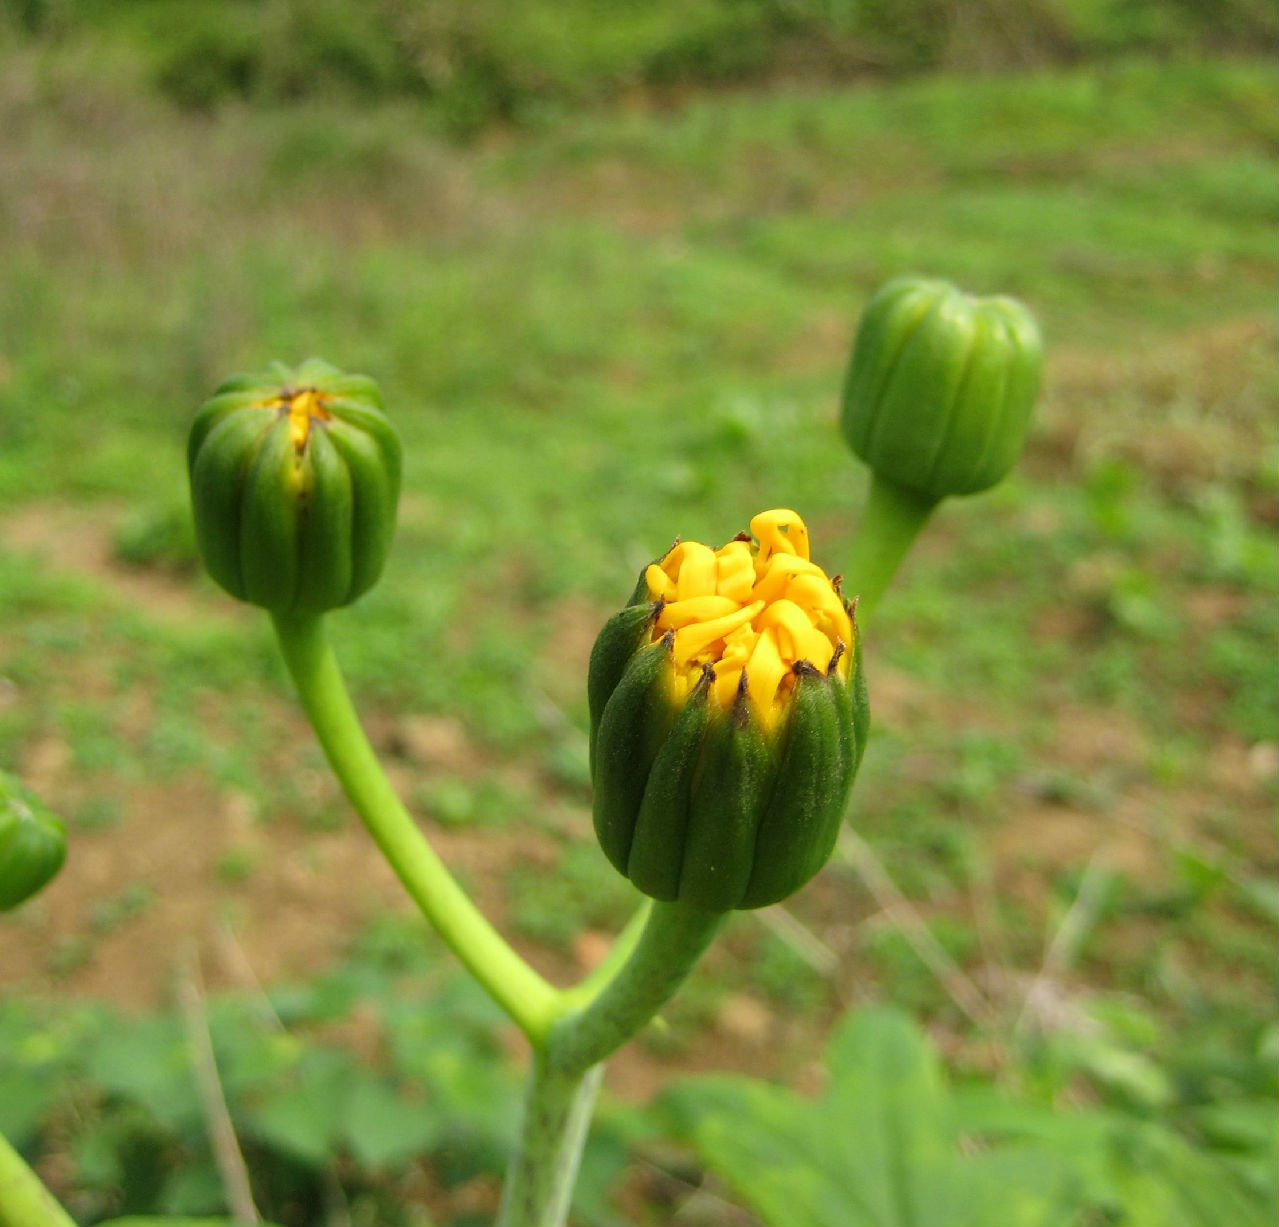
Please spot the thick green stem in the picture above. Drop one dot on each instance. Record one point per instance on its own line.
(601, 1019)
(599, 1016)
(891, 520)
(516, 987)
(557, 1115)
(24, 1201)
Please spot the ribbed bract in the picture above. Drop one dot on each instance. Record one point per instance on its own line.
(707, 797)
(941, 386)
(295, 481)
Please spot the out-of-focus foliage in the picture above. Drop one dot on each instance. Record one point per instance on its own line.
(598, 332)
(889, 1144)
(484, 60)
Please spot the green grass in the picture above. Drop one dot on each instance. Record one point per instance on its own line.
(604, 332)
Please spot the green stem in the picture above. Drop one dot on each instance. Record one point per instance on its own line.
(571, 1032)
(557, 1114)
(674, 937)
(622, 948)
(24, 1201)
(891, 520)
(599, 1016)
(514, 985)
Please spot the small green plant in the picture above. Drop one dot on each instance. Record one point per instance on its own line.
(728, 707)
(728, 718)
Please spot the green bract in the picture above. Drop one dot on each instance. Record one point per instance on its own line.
(33, 843)
(724, 742)
(295, 480)
(941, 386)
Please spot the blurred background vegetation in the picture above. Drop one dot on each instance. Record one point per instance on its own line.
(605, 259)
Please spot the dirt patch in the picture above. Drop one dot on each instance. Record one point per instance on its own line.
(78, 540)
(1193, 404)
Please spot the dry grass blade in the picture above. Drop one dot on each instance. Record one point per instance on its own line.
(217, 1117)
(799, 938)
(963, 992)
(1075, 926)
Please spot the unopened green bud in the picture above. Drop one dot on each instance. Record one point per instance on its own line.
(295, 482)
(940, 387)
(33, 843)
(728, 718)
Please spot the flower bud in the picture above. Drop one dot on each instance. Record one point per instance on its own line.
(295, 480)
(33, 843)
(728, 718)
(940, 388)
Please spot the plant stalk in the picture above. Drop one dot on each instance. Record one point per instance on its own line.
(600, 1015)
(557, 1115)
(891, 520)
(530, 1001)
(24, 1200)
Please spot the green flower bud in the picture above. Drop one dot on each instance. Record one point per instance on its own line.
(940, 387)
(295, 481)
(33, 843)
(728, 719)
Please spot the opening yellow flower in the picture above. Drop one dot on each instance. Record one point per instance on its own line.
(728, 717)
(750, 611)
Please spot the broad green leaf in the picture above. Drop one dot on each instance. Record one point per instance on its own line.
(888, 1116)
(879, 1148)
(305, 1118)
(148, 1062)
(383, 1129)
(25, 1096)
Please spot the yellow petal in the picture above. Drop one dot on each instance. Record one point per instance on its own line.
(659, 583)
(691, 640)
(738, 646)
(695, 609)
(780, 531)
(764, 674)
(697, 571)
(797, 637)
(727, 682)
(735, 571)
(823, 605)
(777, 575)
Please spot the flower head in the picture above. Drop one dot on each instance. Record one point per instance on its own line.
(295, 478)
(941, 386)
(750, 611)
(728, 717)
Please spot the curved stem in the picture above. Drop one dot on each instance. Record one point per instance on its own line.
(623, 946)
(599, 1020)
(513, 984)
(24, 1201)
(891, 520)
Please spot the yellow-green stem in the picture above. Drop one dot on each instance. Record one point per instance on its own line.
(513, 984)
(599, 1021)
(891, 520)
(571, 1032)
(24, 1201)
